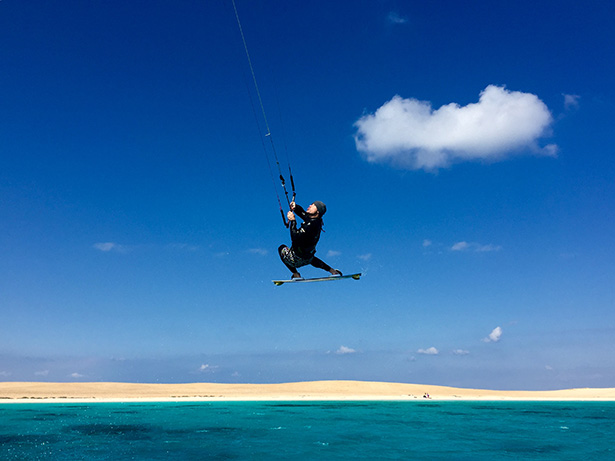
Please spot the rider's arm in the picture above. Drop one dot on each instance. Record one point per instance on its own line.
(299, 211)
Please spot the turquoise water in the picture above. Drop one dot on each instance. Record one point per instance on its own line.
(313, 430)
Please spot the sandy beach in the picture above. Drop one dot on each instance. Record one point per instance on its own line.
(16, 392)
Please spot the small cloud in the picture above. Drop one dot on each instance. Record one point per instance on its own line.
(549, 367)
(494, 336)
(394, 18)
(410, 134)
(475, 247)
(345, 350)
(76, 375)
(571, 101)
(365, 257)
(333, 253)
(108, 246)
(258, 251)
(206, 368)
(460, 246)
(41, 373)
(429, 351)
(427, 243)
(182, 247)
(5, 374)
(550, 150)
(460, 352)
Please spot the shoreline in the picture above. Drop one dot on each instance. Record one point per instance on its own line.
(45, 392)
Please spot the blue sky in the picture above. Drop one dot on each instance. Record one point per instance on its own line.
(465, 155)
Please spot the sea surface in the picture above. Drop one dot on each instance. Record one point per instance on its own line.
(419, 429)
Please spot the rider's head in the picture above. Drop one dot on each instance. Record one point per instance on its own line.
(317, 209)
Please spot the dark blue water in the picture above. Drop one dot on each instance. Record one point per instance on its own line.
(312, 430)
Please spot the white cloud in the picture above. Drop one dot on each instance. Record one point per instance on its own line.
(108, 246)
(395, 18)
(333, 253)
(460, 246)
(206, 368)
(41, 373)
(345, 350)
(494, 336)
(571, 101)
(365, 257)
(476, 247)
(76, 375)
(427, 243)
(258, 251)
(429, 351)
(5, 374)
(409, 134)
(460, 352)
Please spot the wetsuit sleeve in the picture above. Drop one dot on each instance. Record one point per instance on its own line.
(293, 228)
(299, 211)
(296, 232)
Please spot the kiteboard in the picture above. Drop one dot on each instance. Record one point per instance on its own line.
(319, 279)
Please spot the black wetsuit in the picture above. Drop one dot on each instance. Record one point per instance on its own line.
(304, 240)
(306, 237)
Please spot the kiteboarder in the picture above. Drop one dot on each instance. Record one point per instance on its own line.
(304, 239)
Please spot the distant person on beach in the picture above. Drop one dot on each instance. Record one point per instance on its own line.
(304, 239)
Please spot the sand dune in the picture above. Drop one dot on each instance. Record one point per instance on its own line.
(316, 390)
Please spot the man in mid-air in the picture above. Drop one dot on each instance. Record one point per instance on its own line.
(304, 239)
